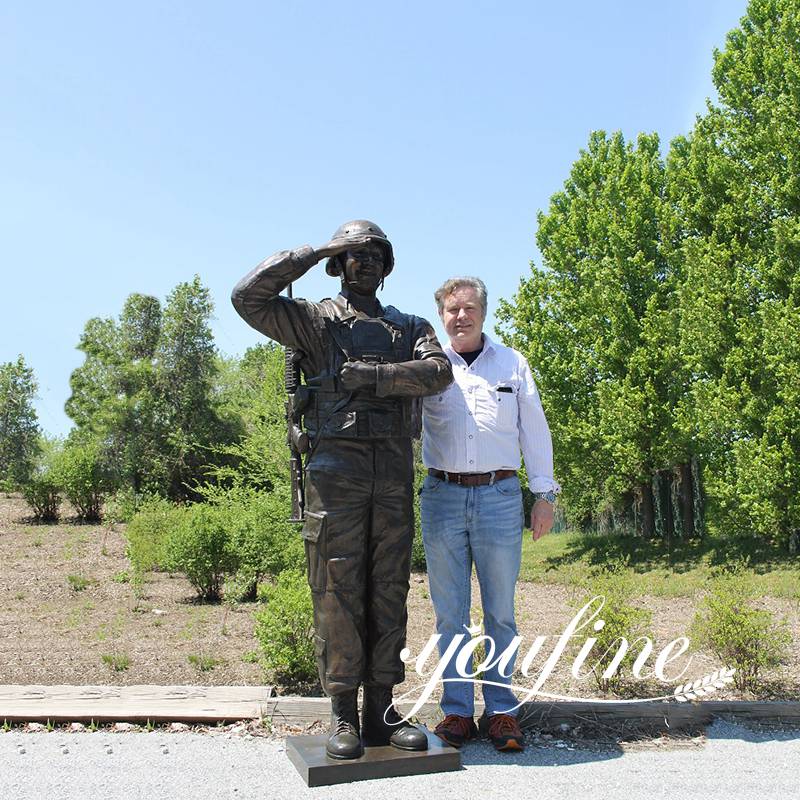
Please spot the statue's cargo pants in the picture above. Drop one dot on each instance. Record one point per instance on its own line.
(358, 535)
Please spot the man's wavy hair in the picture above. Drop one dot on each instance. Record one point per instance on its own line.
(449, 286)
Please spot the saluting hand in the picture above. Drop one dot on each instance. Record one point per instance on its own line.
(336, 246)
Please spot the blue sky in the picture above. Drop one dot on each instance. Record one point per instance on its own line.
(146, 142)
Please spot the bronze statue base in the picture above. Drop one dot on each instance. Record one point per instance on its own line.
(307, 753)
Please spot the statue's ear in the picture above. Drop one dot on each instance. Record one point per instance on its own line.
(335, 266)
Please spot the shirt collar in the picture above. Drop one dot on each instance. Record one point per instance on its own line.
(347, 311)
(488, 346)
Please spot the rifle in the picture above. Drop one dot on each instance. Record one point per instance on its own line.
(296, 438)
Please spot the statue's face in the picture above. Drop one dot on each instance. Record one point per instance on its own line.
(363, 268)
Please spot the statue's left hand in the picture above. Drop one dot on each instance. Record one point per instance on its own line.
(358, 375)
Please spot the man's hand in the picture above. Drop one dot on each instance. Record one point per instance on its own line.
(541, 518)
(336, 246)
(358, 375)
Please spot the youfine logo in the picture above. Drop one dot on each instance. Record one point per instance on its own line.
(589, 617)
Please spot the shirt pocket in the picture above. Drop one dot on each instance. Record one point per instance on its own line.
(504, 406)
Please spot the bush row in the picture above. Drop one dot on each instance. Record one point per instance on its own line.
(235, 540)
(75, 473)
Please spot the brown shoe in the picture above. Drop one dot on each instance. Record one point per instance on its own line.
(505, 733)
(455, 730)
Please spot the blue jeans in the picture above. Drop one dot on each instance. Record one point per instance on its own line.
(461, 525)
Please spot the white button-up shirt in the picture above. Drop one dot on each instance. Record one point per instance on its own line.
(487, 415)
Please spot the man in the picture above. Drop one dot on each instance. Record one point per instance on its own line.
(365, 366)
(471, 501)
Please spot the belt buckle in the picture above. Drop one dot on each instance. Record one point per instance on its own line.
(491, 478)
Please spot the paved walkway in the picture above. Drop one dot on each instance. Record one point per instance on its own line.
(733, 763)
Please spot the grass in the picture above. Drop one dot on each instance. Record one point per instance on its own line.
(205, 663)
(75, 616)
(656, 567)
(77, 582)
(118, 662)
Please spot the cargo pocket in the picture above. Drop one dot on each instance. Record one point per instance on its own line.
(314, 530)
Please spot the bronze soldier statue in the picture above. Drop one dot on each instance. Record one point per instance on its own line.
(365, 366)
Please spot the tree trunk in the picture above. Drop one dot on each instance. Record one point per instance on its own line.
(683, 476)
(698, 501)
(662, 505)
(645, 513)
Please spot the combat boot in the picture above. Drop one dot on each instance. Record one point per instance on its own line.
(344, 740)
(381, 726)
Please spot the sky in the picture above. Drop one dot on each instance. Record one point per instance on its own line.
(144, 143)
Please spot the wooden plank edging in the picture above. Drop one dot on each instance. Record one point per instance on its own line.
(213, 704)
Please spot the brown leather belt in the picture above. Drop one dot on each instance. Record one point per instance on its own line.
(473, 478)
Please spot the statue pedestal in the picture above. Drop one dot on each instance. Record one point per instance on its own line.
(307, 753)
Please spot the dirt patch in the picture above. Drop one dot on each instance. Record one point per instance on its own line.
(68, 616)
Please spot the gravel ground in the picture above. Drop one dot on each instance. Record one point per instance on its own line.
(730, 761)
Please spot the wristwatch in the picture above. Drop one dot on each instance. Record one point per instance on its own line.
(550, 497)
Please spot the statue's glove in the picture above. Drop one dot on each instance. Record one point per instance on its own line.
(356, 375)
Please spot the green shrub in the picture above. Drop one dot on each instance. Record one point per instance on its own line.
(418, 562)
(622, 619)
(42, 494)
(741, 636)
(285, 632)
(125, 503)
(147, 533)
(266, 543)
(200, 546)
(80, 471)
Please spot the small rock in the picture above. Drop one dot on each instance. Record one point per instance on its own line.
(76, 727)
(178, 726)
(21, 751)
(123, 727)
(36, 726)
(563, 727)
(158, 612)
(165, 751)
(547, 736)
(65, 750)
(109, 750)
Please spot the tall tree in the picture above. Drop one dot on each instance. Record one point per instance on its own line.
(146, 391)
(186, 367)
(251, 391)
(598, 323)
(735, 184)
(19, 429)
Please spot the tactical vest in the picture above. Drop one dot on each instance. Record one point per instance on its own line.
(332, 411)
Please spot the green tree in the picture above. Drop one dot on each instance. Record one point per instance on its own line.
(251, 393)
(186, 369)
(146, 392)
(598, 323)
(19, 429)
(734, 184)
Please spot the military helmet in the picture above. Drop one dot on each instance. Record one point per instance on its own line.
(374, 234)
